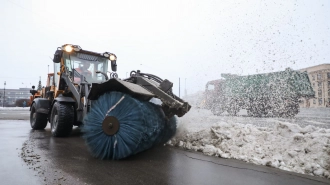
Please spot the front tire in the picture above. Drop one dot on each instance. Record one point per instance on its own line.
(291, 111)
(233, 111)
(38, 121)
(62, 119)
(217, 110)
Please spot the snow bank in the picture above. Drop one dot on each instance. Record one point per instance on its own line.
(284, 145)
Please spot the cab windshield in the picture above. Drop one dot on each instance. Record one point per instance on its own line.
(78, 64)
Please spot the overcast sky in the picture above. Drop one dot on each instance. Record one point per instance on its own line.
(191, 39)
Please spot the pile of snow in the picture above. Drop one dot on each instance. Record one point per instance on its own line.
(285, 146)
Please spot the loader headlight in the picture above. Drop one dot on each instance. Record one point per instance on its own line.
(68, 48)
(112, 57)
(76, 48)
(106, 54)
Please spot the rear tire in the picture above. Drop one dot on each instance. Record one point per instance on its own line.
(232, 111)
(291, 111)
(254, 111)
(62, 119)
(249, 112)
(38, 121)
(217, 110)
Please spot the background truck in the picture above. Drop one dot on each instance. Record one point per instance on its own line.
(270, 94)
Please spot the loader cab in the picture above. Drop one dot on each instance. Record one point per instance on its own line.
(214, 86)
(48, 91)
(50, 79)
(81, 65)
(212, 91)
(77, 65)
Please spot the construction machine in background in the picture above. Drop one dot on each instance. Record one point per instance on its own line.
(42, 93)
(270, 94)
(111, 111)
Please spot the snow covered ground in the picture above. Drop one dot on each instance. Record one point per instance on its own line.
(14, 108)
(281, 144)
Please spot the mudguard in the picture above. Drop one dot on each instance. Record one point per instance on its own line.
(64, 99)
(42, 105)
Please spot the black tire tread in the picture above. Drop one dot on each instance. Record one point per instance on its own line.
(65, 114)
(41, 119)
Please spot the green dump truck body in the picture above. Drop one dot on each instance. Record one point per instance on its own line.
(270, 93)
(283, 83)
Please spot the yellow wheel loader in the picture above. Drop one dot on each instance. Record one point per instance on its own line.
(82, 78)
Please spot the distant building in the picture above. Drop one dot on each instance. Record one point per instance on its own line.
(319, 77)
(14, 97)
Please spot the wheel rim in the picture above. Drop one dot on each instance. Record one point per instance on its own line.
(55, 121)
(33, 117)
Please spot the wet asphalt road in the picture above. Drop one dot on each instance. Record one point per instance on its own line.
(34, 157)
(21, 114)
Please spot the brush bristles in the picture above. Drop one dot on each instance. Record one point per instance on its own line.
(142, 125)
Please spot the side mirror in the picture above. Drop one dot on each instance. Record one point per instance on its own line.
(113, 65)
(57, 56)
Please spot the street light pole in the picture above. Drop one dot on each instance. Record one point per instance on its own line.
(4, 94)
(185, 87)
(179, 88)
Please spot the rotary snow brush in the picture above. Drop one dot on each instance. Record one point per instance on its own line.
(120, 124)
(129, 126)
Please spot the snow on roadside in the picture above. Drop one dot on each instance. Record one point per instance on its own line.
(284, 145)
(14, 108)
